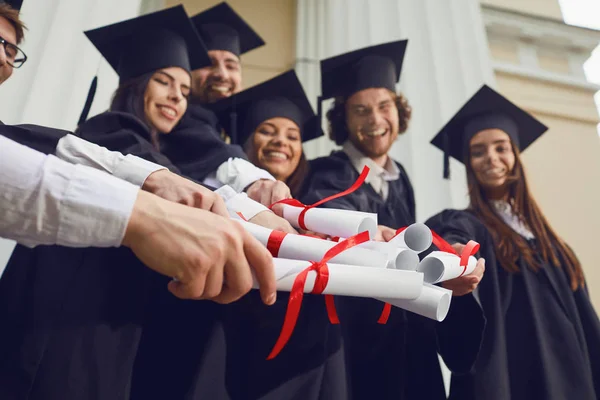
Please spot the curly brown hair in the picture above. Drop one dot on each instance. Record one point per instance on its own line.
(12, 16)
(336, 117)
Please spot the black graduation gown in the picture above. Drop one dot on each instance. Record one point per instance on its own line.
(541, 341)
(74, 317)
(195, 145)
(397, 360)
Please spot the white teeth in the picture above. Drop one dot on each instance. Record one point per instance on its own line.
(378, 132)
(277, 154)
(495, 171)
(168, 111)
(220, 89)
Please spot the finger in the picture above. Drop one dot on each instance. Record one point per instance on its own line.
(213, 284)
(458, 247)
(238, 276)
(280, 191)
(388, 234)
(261, 262)
(265, 195)
(278, 210)
(219, 207)
(187, 290)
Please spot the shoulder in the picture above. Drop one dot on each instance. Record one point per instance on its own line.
(111, 121)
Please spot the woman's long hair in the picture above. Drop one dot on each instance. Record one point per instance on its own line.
(508, 243)
(129, 98)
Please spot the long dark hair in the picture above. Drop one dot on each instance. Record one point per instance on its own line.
(508, 243)
(129, 98)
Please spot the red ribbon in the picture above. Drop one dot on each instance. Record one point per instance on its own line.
(274, 242)
(470, 249)
(297, 292)
(296, 203)
(241, 216)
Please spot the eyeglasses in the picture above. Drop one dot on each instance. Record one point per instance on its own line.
(14, 55)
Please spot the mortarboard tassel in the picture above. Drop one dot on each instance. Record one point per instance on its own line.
(446, 156)
(319, 114)
(88, 101)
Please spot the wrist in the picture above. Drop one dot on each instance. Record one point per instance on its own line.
(145, 209)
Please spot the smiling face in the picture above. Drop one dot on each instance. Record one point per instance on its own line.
(276, 146)
(8, 33)
(218, 81)
(492, 160)
(372, 121)
(165, 98)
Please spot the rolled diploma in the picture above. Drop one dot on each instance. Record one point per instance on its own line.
(329, 221)
(296, 247)
(440, 266)
(416, 237)
(434, 302)
(351, 280)
(399, 258)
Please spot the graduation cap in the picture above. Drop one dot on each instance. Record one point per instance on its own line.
(372, 67)
(221, 28)
(486, 109)
(282, 96)
(16, 4)
(147, 43)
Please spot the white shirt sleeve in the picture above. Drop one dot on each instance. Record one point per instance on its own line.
(240, 203)
(130, 168)
(44, 200)
(239, 174)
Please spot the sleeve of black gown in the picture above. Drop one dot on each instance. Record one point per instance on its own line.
(40, 138)
(197, 149)
(329, 176)
(591, 329)
(494, 293)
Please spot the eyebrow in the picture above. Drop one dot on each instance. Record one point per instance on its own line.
(183, 85)
(499, 141)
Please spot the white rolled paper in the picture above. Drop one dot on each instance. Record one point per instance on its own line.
(399, 258)
(440, 266)
(351, 280)
(333, 222)
(416, 237)
(297, 247)
(434, 302)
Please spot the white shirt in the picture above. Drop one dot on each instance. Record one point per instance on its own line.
(505, 211)
(135, 170)
(237, 173)
(378, 177)
(45, 200)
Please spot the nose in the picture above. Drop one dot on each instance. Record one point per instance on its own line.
(175, 95)
(3, 59)
(219, 71)
(278, 140)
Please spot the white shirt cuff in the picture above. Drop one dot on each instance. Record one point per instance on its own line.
(130, 168)
(239, 174)
(240, 205)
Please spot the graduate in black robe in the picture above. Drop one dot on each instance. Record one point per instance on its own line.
(196, 146)
(277, 116)
(397, 360)
(74, 316)
(542, 338)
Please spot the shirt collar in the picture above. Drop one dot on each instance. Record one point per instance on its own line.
(390, 171)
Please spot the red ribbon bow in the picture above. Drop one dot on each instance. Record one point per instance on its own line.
(470, 249)
(296, 203)
(297, 292)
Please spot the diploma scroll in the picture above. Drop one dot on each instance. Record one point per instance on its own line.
(440, 266)
(416, 237)
(297, 247)
(434, 302)
(351, 280)
(333, 222)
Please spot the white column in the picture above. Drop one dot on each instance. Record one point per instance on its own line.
(447, 60)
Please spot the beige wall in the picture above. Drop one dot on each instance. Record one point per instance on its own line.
(275, 22)
(543, 8)
(563, 166)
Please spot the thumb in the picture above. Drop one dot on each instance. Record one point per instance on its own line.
(458, 247)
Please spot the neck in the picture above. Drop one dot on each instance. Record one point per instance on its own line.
(497, 193)
(381, 160)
